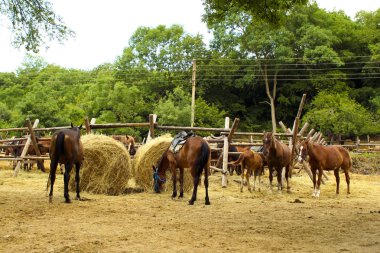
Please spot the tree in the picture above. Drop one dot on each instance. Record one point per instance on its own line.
(32, 22)
(339, 114)
(269, 11)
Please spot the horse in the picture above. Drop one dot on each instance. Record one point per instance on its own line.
(277, 156)
(325, 158)
(128, 141)
(66, 147)
(195, 155)
(253, 162)
(233, 157)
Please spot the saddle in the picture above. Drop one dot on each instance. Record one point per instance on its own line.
(179, 140)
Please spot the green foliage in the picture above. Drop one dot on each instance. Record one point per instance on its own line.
(337, 113)
(175, 109)
(326, 55)
(33, 22)
(271, 11)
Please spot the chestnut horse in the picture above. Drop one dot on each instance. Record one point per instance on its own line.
(253, 162)
(195, 155)
(66, 147)
(277, 156)
(325, 158)
(128, 141)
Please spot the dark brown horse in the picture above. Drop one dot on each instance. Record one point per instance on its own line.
(325, 158)
(195, 155)
(253, 163)
(277, 156)
(66, 147)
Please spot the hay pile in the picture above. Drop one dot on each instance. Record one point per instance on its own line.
(149, 154)
(106, 168)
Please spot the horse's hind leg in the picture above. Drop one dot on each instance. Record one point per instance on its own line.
(242, 179)
(53, 167)
(287, 175)
(337, 179)
(347, 180)
(181, 172)
(77, 179)
(207, 200)
(68, 167)
(174, 177)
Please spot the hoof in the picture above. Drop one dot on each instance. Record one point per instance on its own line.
(68, 201)
(207, 203)
(191, 202)
(50, 199)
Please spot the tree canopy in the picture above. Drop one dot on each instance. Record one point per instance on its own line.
(33, 22)
(247, 65)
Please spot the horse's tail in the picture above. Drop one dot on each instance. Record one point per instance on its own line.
(59, 145)
(204, 158)
(239, 160)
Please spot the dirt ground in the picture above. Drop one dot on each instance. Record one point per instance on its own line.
(146, 222)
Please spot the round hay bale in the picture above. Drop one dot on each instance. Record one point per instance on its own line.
(106, 168)
(149, 154)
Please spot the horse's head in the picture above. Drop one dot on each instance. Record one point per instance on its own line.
(268, 142)
(303, 150)
(130, 142)
(76, 129)
(159, 178)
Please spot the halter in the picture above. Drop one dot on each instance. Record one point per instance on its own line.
(157, 178)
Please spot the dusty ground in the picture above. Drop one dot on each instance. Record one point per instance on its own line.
(145, 222)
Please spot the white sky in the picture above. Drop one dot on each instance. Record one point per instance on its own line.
(103, 28)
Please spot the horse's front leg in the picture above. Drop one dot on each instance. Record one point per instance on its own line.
(77, 180)
(279, 178)
(247, 176)
(181, 175)
(242, 179)
(320, 174)
(68, 167)
(270, 176)
(314, 172)
(174, 177)
(259, 172)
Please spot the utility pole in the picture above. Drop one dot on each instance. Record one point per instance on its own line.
(193, 93)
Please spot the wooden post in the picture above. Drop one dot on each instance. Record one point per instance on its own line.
(87, 125)
(25, 150)
(304, 129)
(301, 106)
(294, 141)
(310, 134)
(193, 93)
(35, 145)
(225, 162)
(284, 128)
(224, 155)
(152, 121)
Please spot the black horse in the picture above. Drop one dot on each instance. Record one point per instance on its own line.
(66, 148)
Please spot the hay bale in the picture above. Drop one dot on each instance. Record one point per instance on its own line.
(149, 154)
(107, 166)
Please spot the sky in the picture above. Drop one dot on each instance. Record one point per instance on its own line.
(103, 28)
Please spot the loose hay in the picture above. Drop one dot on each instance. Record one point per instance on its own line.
(107, 166)
(149, 154)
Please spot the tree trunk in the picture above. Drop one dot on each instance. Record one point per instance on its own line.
(271, 97)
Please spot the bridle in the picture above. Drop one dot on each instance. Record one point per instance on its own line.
(157, 179)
